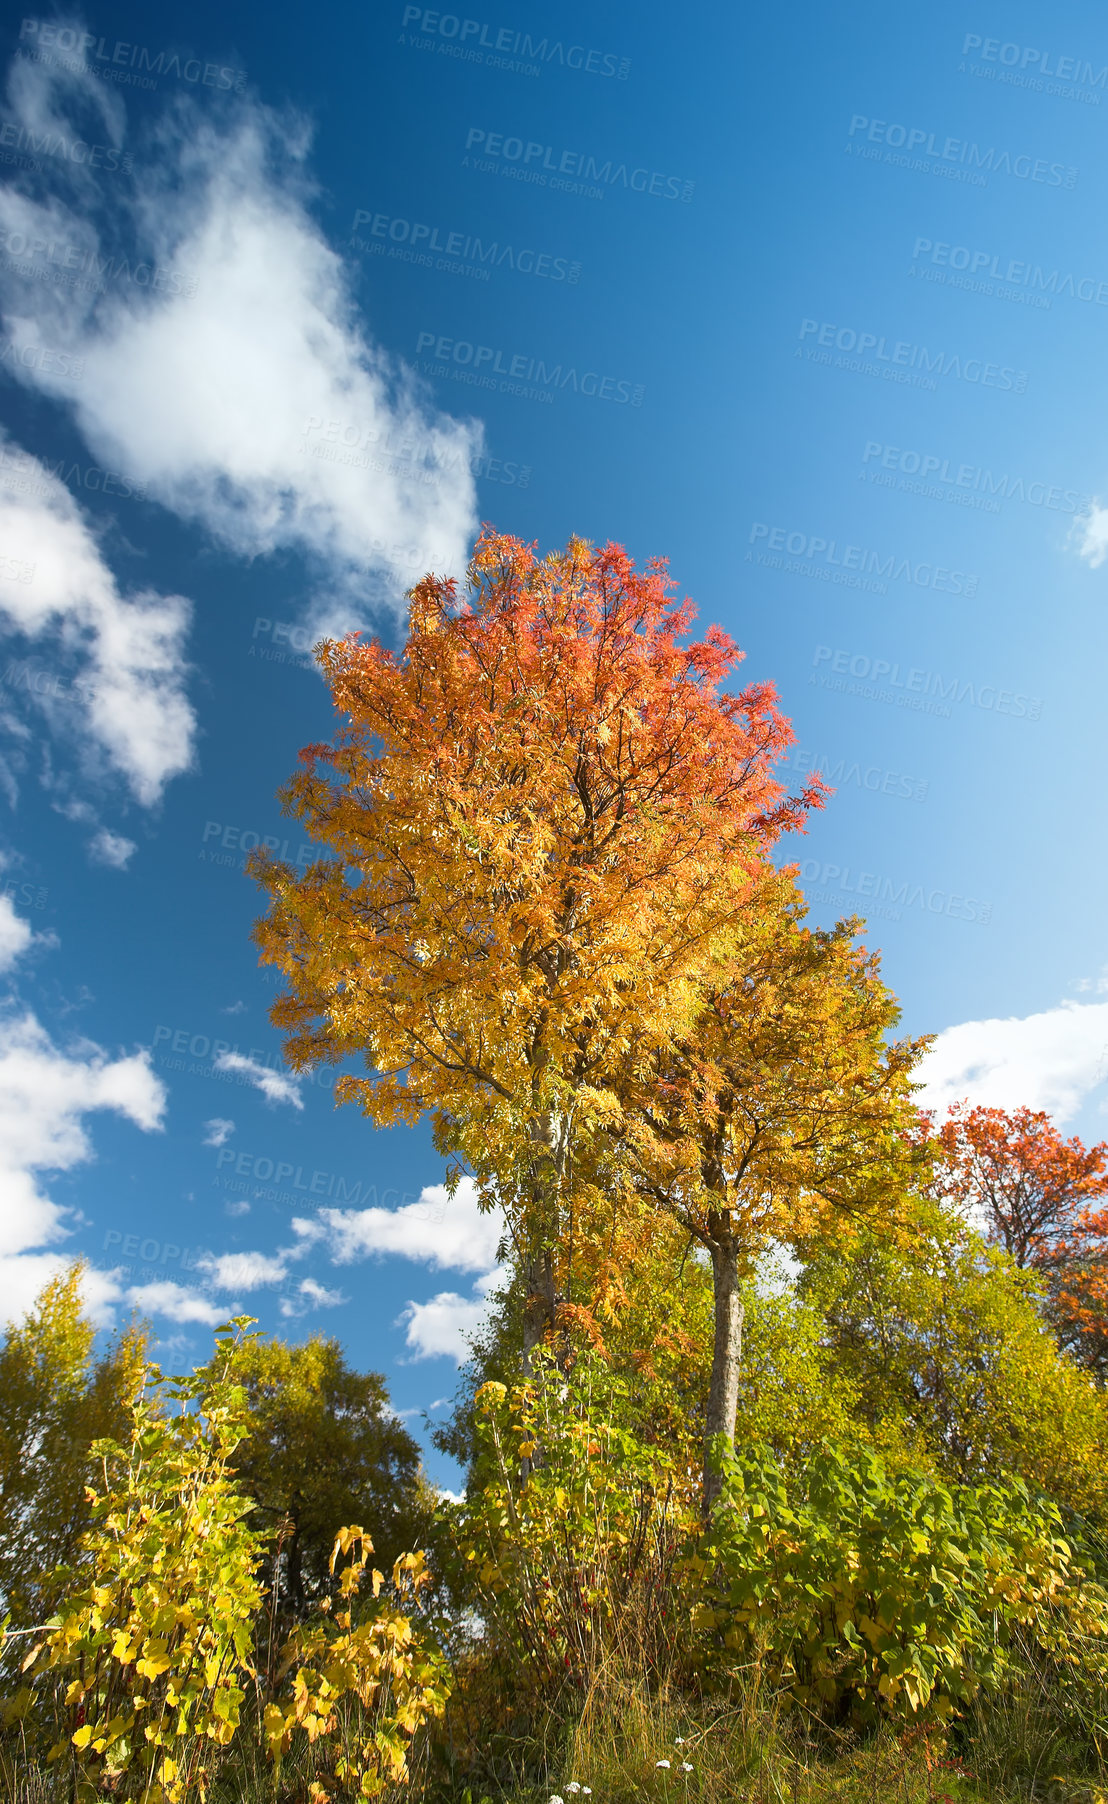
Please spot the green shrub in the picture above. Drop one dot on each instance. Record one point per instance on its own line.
(867, 1592)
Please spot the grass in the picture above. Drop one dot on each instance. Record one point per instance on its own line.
(1042, 1742)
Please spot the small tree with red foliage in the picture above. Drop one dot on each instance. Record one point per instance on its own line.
(1035, 1191)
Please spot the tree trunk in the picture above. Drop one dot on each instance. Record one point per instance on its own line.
(727, 1347)
(540, 1309)
(294, 1571)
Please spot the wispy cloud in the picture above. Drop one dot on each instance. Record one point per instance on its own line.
(234, 387)
(114, 689)
(176, 1302)
(111, 849)
(45, 1093)
(439, 1230)
(275, 1086)
(444, 1325)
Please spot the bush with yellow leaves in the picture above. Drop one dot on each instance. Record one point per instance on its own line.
(366, 1686)
(146, 1662)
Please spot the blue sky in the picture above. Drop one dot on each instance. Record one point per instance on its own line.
(814, 304)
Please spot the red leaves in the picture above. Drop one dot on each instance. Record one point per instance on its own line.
(1016, 1167)
(1035, 1191)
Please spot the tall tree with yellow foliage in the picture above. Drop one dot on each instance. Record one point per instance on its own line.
(784, 1111)
(536, 825)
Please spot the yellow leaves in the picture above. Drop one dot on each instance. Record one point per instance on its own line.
(345, 1540)
(540, 820)
(333, 1660)
(151, 1666)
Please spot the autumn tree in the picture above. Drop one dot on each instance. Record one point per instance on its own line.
(1033, 1192)
(936, 1343)
(784, 1110)
(534, 824)
(320, 1448)
(1079, 1290)
(1028, 1184)
(58, 1396)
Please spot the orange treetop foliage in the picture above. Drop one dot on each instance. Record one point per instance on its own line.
(1079, 1286)
(538, 820)
(1030, 1183)
(1036, 1190)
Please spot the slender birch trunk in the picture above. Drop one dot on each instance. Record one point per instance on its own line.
(727, 1347)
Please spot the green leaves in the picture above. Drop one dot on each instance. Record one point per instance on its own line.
(886, 1592)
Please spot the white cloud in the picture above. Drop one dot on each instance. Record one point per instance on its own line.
(442, 1327)
(206, 388)
(243, 1271)
(44, 1094)
(442, 1231)
(1093, 528)
(176, 1302)
(275, 1086)
(1050, 1061)
(218, 1131)
(128, 703)
(314, 1297)
(239, 1206)
(111, 849)
(15, 934)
